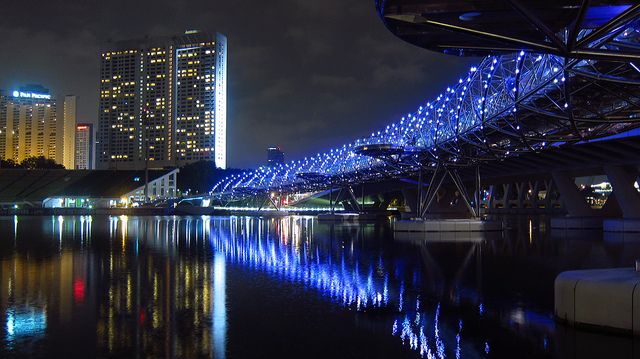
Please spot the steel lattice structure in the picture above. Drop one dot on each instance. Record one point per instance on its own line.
(509, 104)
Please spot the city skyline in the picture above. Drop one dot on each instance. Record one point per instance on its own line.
(288, 62)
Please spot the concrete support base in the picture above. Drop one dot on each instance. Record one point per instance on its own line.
(573, 200)
(446, 225)
(338, 217)
(350, 217)
(628, 198)
(607, 299)
(622, 225)
(445, 237)
(622, 238)
(576, 223)
(573, 234)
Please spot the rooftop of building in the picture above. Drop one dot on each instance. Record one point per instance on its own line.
(188, 37)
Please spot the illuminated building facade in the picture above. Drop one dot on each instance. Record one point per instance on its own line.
(30, 125)
(163, 99)
(83, 151)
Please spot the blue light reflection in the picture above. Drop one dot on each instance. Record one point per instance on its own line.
(25, 322)
(337, 273)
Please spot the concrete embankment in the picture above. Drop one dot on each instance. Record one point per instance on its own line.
(446, 225)
(603, 299)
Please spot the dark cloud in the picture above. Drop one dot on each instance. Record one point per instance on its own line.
(305, 75)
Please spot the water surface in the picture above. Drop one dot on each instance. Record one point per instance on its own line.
(245, 287)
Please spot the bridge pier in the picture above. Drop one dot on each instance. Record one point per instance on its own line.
(626, 194)
(435, 206)
(411, 200)
(536, 196)
(571, 197)
(622, 180)
(579, 214)
(346, 206)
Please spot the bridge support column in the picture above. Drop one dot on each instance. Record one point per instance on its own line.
(535, 194)
(353, 201)
(573, 200)
(627, 196)
(506, 195)
(548, 187)
(491, 203)
(521, 189)
(411, 200)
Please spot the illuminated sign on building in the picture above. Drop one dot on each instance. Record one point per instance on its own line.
(31, 95)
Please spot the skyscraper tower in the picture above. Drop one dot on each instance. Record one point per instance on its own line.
(68, 132)
(163, 99)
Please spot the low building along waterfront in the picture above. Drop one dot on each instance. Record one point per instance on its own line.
(84, 189)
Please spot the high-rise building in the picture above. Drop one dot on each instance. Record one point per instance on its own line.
(29, 124)
(163, 99)
(69, 132)
(83, 157)
(275, 156)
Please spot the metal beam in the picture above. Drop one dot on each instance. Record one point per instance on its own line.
(416, 19)
(624, 17)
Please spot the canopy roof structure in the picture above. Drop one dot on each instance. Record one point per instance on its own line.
(568, 28)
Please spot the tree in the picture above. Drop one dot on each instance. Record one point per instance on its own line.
(8, 163)
(39, 162)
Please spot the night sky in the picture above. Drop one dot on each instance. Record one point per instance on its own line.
(305, 75)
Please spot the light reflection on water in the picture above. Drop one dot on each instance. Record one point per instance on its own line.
(159, 285)
(25, 322)
(357, 280)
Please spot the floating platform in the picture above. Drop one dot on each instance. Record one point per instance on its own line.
(622, 225)
(607, 299)
(446, 225)
(576, 223)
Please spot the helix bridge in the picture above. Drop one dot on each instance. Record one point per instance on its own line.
(579, 84)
